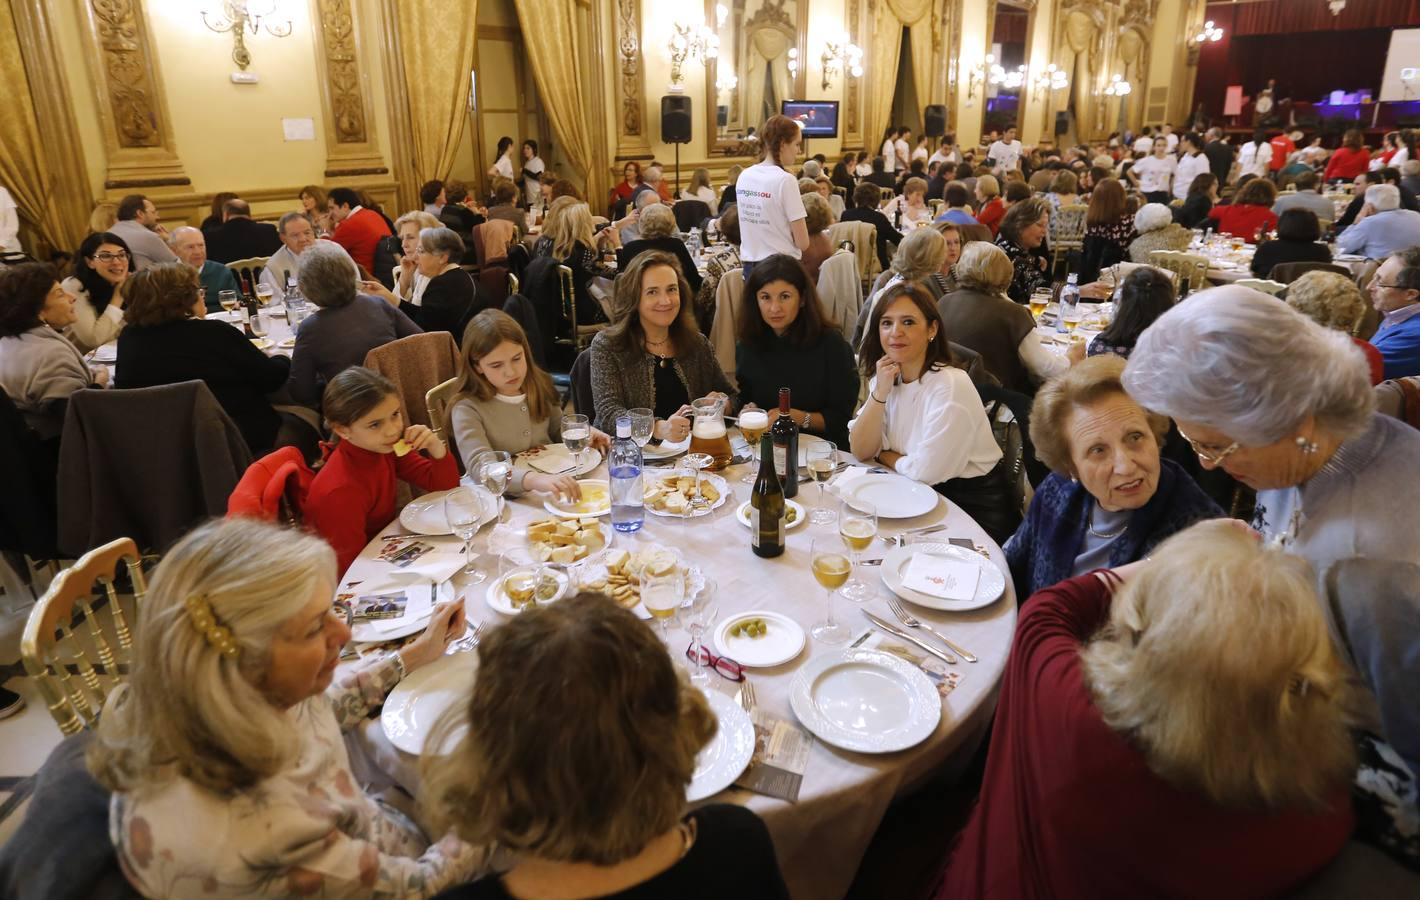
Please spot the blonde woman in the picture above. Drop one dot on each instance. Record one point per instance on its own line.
(409, 282)
(104, 214)
(610, 823)
(920, 256)
(224, 750)
(1334, 301)
(700, 189)
(569, 237)
(1110, 719)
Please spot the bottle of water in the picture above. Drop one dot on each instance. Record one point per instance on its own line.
(628, 511)
(692, 243)
(1069, 302)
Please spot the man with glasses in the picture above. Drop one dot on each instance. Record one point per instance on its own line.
(138, 226)
(1395, 293)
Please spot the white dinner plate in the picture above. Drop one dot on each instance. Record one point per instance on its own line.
(598, 504)
(591, 458)
(425, 514)
(263, 343)
(893, 496)
(742, 514)
(593, 569)
(783, 641)
(665, 449)
(287, 343)
(865, 700)
(805, 442)
(720, 485)
(420, 698)
(989, 587)
(106, 353)
(498, 600)
(727, 754)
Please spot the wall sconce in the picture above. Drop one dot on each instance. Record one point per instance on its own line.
(726, 82)
(976, 77)
(1052, 79)
(1117, 87)
(691, 41)
(237, 16)
(793, 63)
(840, 55)
(1008, 80)
(1208, 34)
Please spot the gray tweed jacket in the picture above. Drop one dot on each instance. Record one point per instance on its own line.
(625, 379)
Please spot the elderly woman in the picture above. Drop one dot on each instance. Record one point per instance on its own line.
(168, 340)
(1145, 294)
(224, 748)
(944, 280)
(979, 316)
(1329, 474)
(1334, 301)
(785, 340)
(652, 356)
(923, 417)
(610, 823)
(1156, 230)
(101, 266)
(817, 217)
(1110, 498)
(1064, 190)
(409, 282)
(450, 299)
(919, 257)
(1298, 240)
(659, 232)
(346, 325)
(1110, 720)
(39, 368)
(1023, 230)
(723, 258)
(911, 205)
(1250, 214)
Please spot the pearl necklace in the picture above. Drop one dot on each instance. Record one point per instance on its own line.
(1104, 536)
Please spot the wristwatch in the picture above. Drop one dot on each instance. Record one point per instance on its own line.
(807, 423)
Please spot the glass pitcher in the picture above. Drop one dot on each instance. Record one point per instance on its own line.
(707, 431)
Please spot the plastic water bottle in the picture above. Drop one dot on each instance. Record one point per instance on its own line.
(628, 511)
(1069, 302)
(692, 243)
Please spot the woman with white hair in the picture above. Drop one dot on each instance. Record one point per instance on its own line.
(659, 232)
(224, 748)
(1118, 769)
(920, 256)
(1285, 406)
(1157, 231)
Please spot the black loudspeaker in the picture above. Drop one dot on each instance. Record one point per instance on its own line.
(1062, 122)
(675, 119)
(934, 120)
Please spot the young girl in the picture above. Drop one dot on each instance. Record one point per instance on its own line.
(353, 494)
(505, 402)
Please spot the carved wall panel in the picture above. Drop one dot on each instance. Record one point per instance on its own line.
(632, 140)
(351, 146)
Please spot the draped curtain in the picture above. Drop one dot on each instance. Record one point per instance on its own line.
(886, 50)
(437, 43)
(767, 80)
(1294, 16)
(1080, 34)
(24, 166)
(556, 44)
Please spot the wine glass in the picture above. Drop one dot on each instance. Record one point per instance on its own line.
(228, 299)
(662, 596)
(264, 293)
(643, 425)
(831, 569)
(694, 463)
(464, 508)
(494, 469)
(857, 526)
(699, 613)
(753, 424)
(1039, 300)
(820, 457)
(258, 326)
(576, 435)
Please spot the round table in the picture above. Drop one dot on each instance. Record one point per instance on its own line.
(821, 838)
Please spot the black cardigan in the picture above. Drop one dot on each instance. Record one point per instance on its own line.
(449, 302)
(671, 245)
(1271, 253)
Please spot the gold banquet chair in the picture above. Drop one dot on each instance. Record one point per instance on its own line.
(1067, 232)
(436, 401)
(53, 642)
(581, 334)
(1266, 285)
(1191, 268)
(251, 268)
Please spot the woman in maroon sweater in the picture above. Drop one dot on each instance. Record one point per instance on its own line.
(353, 494)
(1181, 738)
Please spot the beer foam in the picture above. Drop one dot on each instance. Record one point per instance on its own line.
(708, 429)
(755, 418)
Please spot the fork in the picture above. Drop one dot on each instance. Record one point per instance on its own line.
(747, 695)
(468, 641)
(911, 621)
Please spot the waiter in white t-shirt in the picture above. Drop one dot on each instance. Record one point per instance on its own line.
(770, 208)
(889, 150)
(1153, 175)
(1191, 164)
(1006, 153)
(903, 150)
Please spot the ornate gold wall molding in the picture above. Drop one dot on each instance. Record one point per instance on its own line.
(852, 90)
(351, 147)
(631, 141)
(396, 89)
(136, 125)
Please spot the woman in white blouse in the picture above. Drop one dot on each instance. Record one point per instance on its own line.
(224, 749)
(503, 166)
(101, 266)
(700, 189)
(923, 417)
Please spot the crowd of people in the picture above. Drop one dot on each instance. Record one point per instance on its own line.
(1142, 603)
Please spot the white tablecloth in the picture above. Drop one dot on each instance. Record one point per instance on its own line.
(821, 838)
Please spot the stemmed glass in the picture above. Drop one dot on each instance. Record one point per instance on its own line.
(831, 569)
(819, 457)
(643, 425)
(493, 469)
(576, 435)
(662, 596)
(753, 424)
(228, 300)
(698, 614)
(465, 508)
(857, 526)
(694, 462)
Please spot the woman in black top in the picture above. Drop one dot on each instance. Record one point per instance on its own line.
(450, 299)
(659, 232)
(167, 340)
(1145, 294)
(569, 238)
(1202, 194)
(1298, 231)
(552, 683)
(786, 341)
(1023, 231)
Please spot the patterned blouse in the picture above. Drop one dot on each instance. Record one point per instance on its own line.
(307, 831)
(727, 257)
(1028, 273)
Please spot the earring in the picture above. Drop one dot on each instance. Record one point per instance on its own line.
(1305, 445)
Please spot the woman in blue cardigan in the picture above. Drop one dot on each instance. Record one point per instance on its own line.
(1110, 498)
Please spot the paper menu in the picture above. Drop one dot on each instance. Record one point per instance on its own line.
(781, 756)
(944, 677)
(941, 576)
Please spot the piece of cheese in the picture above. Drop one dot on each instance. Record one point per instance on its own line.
(401, 448)
(564, 555)
(616, 560)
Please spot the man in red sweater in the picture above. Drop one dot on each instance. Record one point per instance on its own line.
(357, 229)
(1283, 146)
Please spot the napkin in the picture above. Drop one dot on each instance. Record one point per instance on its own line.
(552, 459)
(845, 479)
(938, 576)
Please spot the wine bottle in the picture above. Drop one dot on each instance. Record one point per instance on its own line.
(786, 447)
(766, 505)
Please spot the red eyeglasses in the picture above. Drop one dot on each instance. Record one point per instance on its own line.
(723, 665)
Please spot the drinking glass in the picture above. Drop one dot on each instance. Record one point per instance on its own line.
(643, 425)
(662, 596)
(699, 614)
(820, 458)
(753, 424)
(258, 326)
(576, 435)
(694, 463)
(1039, 300)
(465, 509)
(264, 293)
(228, 300)
(1070, 314)
(857, 526)
(831, 569)
(494, 469)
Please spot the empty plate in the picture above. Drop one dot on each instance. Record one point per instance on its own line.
(727, 754)
(783, 640)
(989, 587)
(417, 702)
(665, 449)
(865, 700)
(425, 514)
(894, 496)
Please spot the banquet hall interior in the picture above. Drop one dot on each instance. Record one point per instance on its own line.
(710, 448)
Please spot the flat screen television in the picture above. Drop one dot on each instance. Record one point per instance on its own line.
(819, 117)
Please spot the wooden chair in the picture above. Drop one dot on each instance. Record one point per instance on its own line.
(1190, 267)
(1067, 231)
(582, 335)
(251, 268)
(1266, 285)
(52, 629)
(887, 194)
(514, 286)
(436, 401)
(1290, 272)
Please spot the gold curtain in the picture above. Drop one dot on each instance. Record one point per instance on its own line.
(437, 43)
(922, 70)
(556, 44)
(908, 12)
(882, 76)
(24, 158)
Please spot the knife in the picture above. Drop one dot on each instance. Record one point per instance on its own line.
(897, 632)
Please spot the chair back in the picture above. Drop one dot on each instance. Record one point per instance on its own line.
(841, 291)
(28, 517)
(51, 644)
(1067, 227)
(1266, 285)
(690, 214)
(416, 364)
(583, 400)
(1291, 271)
(491, 239)
(864, 238)
(495, 283)
(886, 193)
(251, 269)
(521, 309)
(1399, 398)
(437, 400)
(273, 488)
(1191, 268)
(723, 327)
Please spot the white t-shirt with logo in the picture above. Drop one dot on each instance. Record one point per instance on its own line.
(1154, 173)
(769, 201)
(904, 153)
(1006, 155)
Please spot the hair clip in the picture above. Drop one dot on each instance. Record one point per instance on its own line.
(220, 637)
(1305, 445)
(1299, 685)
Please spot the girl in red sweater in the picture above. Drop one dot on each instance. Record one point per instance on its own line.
(353, 495)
